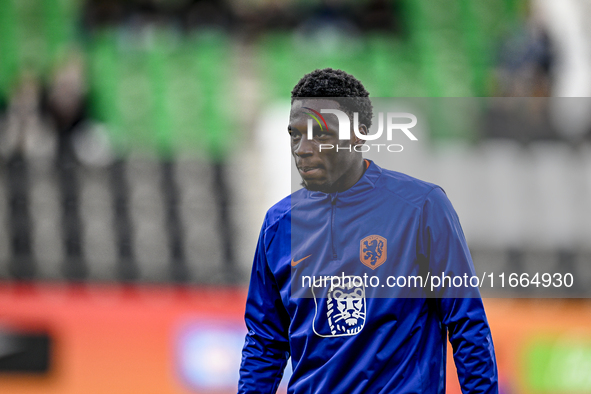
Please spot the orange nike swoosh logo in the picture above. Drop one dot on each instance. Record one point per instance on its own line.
(294, 263)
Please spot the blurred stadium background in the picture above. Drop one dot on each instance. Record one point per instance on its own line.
(141, 142)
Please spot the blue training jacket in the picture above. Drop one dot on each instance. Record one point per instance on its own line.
(363, 335)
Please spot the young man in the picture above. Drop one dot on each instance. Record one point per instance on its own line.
(353, 219)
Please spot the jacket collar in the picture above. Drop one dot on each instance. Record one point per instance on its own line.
(366, 183)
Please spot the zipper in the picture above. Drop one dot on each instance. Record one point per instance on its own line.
(333, 203)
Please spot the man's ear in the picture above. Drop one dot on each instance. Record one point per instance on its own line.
(362, 130)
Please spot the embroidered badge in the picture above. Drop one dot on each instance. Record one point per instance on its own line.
(373, 251)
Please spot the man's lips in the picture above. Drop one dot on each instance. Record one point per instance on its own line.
(307, 170)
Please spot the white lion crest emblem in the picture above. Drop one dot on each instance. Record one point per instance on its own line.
(345, 311)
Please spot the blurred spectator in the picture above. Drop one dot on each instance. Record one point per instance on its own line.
(567, 23)
(66, 106)
(526, 61)
(25, 131)
(525, 69)
(66, 102)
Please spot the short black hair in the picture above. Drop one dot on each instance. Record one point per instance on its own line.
(329, 82)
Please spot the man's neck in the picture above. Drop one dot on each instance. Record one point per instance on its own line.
(353, 177)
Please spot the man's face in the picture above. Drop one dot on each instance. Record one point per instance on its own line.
(323, 170)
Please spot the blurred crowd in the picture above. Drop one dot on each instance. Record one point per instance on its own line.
(48, 97)
(85, 85)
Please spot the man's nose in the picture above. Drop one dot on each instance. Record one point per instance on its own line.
(304, 147)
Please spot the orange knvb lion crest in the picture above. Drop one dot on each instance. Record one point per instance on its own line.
(373, 251)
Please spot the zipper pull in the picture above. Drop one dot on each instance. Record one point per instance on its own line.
(333, 199)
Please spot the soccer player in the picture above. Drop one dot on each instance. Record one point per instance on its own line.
(354, 219)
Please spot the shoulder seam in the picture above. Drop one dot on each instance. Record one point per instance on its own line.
(281, 216)
(277, 220)
(422, 208)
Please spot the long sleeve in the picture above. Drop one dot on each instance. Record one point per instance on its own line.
(460, 309)
(266, 348)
